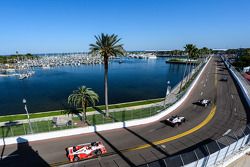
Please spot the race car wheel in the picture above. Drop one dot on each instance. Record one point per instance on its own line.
(98, 152)
(76, 158)
(184, 120)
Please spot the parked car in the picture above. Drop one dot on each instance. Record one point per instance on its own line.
(84, 151)
(175, 120)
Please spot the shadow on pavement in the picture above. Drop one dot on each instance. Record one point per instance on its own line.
(187, 156)
(23, 156)
(148, 142)
(6, 134)
(130, 163)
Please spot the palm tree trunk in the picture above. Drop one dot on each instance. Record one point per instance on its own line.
(106, 84)
(189, 70)
(83, 113)
(183, 76)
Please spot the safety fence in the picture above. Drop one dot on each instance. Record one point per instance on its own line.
(241, 81)
(211, 153)
(14, 128)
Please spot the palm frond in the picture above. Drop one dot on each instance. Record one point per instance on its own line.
(107, 45)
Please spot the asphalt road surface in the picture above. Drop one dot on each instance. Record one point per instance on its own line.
(146, 143)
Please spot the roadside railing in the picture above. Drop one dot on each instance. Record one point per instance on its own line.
(210, 153)
(13, 128)
(241, 81)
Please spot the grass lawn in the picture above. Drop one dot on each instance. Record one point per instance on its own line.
(62, 112)
(123, 115)
(97, 119)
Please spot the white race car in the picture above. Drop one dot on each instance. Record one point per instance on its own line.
(83, 151)
(203, 102)
(175, 120)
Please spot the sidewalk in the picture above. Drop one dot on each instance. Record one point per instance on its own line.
(242, 162)
(175, 92)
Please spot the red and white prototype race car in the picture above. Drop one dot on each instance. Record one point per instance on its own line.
(84, 151)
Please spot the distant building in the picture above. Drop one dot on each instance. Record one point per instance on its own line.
(246, 69)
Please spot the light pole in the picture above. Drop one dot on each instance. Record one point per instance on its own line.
(167, 92)
(28, 116)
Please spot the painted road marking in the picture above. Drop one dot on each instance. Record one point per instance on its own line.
(202, 124)
(201, 93)
(232, 96)
(215, 78)
(229, 130)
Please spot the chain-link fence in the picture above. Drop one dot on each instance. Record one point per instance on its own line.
(13, 128)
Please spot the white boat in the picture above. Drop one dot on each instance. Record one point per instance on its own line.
(151, 56)
(26, 75)
(23, 76)
(46, 66)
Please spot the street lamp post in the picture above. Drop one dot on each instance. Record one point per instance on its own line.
(167, 92)
(28, 116)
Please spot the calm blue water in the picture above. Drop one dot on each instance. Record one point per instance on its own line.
(134, 79)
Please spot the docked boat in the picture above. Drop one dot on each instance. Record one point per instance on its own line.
(26, 75)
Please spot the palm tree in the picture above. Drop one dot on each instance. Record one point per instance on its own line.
(107, 45)
(204, 51)
(83, 97)
(190, 50)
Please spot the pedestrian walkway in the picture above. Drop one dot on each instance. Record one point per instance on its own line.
(244, 161)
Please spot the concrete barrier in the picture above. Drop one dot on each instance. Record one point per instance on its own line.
(244, 87)
(104, 127)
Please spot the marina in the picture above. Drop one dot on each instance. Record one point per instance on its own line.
(48, 89)
(22, 69)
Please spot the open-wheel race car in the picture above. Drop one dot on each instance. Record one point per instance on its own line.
(84, 151)
(175, 120)
(203, 102)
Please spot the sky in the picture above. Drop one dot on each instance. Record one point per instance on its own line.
(54, 26)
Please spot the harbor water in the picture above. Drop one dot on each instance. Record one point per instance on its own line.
(129, 80)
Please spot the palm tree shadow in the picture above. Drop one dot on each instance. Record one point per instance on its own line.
(4, 135)
(99, 110)
(24, 156)
(72, 111)
(146, 141)
(130, 163)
